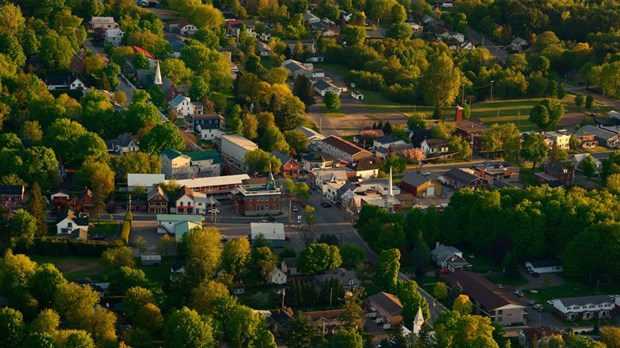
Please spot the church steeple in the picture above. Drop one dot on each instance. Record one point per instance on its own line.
(271, 182)
(157, 80)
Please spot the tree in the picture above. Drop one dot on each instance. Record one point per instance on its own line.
(36, 207)
(185, 328)
(115, 258)
(300, 332)
(388, 265)
(100, 178)
(588, 166)
(73, 338)
(441, 82)
(310, 219)
(412, 300)
(534, 149)
(263, 260)
(120, 98)
(462, 304)
(47, 321)
(547, 114)
(332, 101)
(345, 338)
(319, 257)
(199, 88)
(353, 35)
(250, 126)
(12, 327)
(204, 297)
(555, 153)
(56, 51)
(416, 122)
(235, 256)
(203, 252)
(32, 130)
(397, 163)
(297, 140)
(140, 61)
(414, 155)
(352, 255)
(261, 161)
(455, 330)
(610, 336)
(44, 283)
(273, 139)
(579, 100)
(162, 136)
(589, 102)
(440, 291)
(302, 88)
(353, 315)
(139, 116)
(613, 183)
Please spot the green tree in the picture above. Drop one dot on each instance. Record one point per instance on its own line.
(440, 291)
(199, 88)
(139, 116)
(319, 257)
(351, 254)
(23, 227)
(456, 330)
(353, 314)
(388, 265)
(462, 304)
(260, 161)
(12, 327)
(397, 163)
(332, 101)
(579, 100)
(115, 258)
(588, 166)
(46, 321)
(412, 300)
(235, 256)
(185, 328)
(162, 136)
(203, 298)
(56, 51)
(398, 13)
(589, 102)
(610, 336)
(74, 339)
(100, 179)
(263, 260)
(203, 252)
(441, 82)
(300, 332)
(353, 35)
(302, 88)
(36, 207)
(555, 153)
(32, 130)
(297, 140)
(345, 338)
(534, 149)
(140, 61)
(44, 284)
(547, 114)
(416, 122)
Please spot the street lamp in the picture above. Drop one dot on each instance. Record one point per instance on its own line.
(492, 81)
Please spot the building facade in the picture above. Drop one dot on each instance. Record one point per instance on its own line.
(258, 199)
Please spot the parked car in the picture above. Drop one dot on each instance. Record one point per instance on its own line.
(98, 237)
(531, 302)
(326, 205)
(518, 292)
(271, 219)
(295, 210)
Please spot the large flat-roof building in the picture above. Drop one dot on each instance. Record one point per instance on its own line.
(233, 149)
(342, 149)
(217, 186)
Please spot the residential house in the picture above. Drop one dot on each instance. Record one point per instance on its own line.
(145, 181)
(563, 172)
(365, 138)
(418, 136)
(183, 27)
(518, 45)
(289, 266)
(85, 202)
(346, 277)
(206, 126)
(397, 149)
(322, 177)
(322, 86)
(603, 137)
(587, 140)
(583, 308)
(169, 89)
(123, 144)
(433, 147)
(174, 164)
(312, 135)
(544, 266)
(233, 27)
(190, 202)
(12, 196)
(114, 36)
(558, 139)
(579, 157)
(276, 277)
(471, 131)
(181, 106)
(60, 199)
(271, 232)
(326, 322)
(459, 178)
(536, 336)
(290, 167)
(418, 29)
(420, 185)
(177, 165)
(216, 187)
(310, 18)
(365, 168)
(317, 160)
(233, 149)
(147, 54)
(103, 23)
(258, 198)
(297, 68)
(342, 149)
(167, 222)
(449, 258)
(263, 49)
(157, 200)
(386, 141)
(387, 307)
(68, 221)
(64, 82)
(177, 269)
(488, 299)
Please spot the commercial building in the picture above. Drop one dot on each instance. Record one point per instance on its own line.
(233, 150)
(217, 187)
(258, 199)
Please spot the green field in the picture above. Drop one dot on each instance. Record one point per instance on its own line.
(106, 228)
(73, 267)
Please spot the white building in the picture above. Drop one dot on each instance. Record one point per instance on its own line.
(103, 23)
(114, 36)
(233, 150)
(562, 141)
(584, 308)
(166, 222)
(144, 180)
(276, 276)
(177, 165)
(190, 202)
(69, 221)
(218, 187)
(272, 232)
(546, 266)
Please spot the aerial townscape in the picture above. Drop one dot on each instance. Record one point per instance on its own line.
(310, 173)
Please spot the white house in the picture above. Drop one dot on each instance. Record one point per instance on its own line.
(323, 86)
(584, 308)
(558, 139)
(77, 84)
(357, 95)
(276, 276)
(263, 49)
(69, 221)
(114, 36)
(103, 23)
(434, 146)
(546, 266)
(190, 202)
(386, 141)
(310, 18)
(181, 106)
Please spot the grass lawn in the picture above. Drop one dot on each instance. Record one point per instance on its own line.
(106, 228)
(479, 262)
(332, 114)
(73, 267)
(159, 273)
(502, 279)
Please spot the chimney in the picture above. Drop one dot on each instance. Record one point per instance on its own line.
(458, 115)
(437, 244)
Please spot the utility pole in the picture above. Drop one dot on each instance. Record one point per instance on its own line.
(129, 203)
(289, 210)
(492, 89)
(463, 95)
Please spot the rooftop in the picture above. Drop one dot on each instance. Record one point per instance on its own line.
(481, 290)
(204, 155)
(343, 145)
(388, 302)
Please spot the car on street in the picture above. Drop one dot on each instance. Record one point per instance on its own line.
(326, 205)
(271, 219)
(295, 210)
(531, 302)
(518, 292)
(224, 238)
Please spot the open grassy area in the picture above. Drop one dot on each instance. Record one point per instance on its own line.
(73, 267)
(106, 228)
(503, 111)
(159, 273)
(502, 279)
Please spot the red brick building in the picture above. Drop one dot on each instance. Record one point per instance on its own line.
(290, 167)
(12, 196)
(258, 199)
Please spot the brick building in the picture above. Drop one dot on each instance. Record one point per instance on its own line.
(258, 199)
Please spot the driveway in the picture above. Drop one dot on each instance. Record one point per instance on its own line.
(542, 281)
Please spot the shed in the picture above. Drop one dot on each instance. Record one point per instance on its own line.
(544, 266)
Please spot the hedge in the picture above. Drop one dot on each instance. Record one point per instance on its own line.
(50, 246)
(126, 229)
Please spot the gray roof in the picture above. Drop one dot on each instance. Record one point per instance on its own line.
(415, 179)
(461, 176)
(598, 132)
(281, 156)
(583, 300)
(323, 84)
(290, 262)
(341, 274)
(386, 139)
(176, 101)
(346, 187)
(442, 252)
(388, 302)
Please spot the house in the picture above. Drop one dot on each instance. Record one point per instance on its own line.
(174, 164)
(579, 157)
(183, 227)
(123, 144)
(326, 322)
(557, 139)
(544, 266)
(312, 135)
(190, 202)
(387, 307)
(103, 23)
(497, 171)
(297, 68)
(357, 95)
(166, 222)
(488, 299)
(183, 27)
(233, 27)
(263, 49)
(310, 18)
(12, 196)
(276, 276)
(365, 168)
(216, 187)
(386, 141)
(322, 86)
(64, 82)
(587, 140)
(262, 198)
(540, 335)
(322, 177)
(85, 201)
(432, 147)
(114, 36)
(449, 258)
(177, 165)
(181, 106)
(145, 181)
(518, 45)
(290, 167)
(147, 54)
(420, 185)
(60, 198)
(270, 231)
(397, 149)
(603, 137)
(177, 269)
(417, 136)
(342, 149)
(346, 277)
(68, 221)
(563, 172)
(206, 126)
(459, 178)
(317, 160)
(289, 266)
(157, 200)
(583, 308)
(471, 131)
(233, 149)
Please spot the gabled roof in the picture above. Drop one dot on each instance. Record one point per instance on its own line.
(415, 179)
(177, 100)
(460, 176)
(388, 302)
(343, 145)
(146, 53)
(435, 142)
(310, 133)
(364, 164)
(470, 126)
(481, 290)
(281, 156)
(418, 136)
(185, 191)
(204, 155)
(341, 274)
(171, 153)
(323, 84)
(386, 139)
(584, 300)
(290, 262)
(597, 132)
(442, 252)
(156, 190)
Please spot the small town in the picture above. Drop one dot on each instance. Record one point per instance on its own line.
(310, 173)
